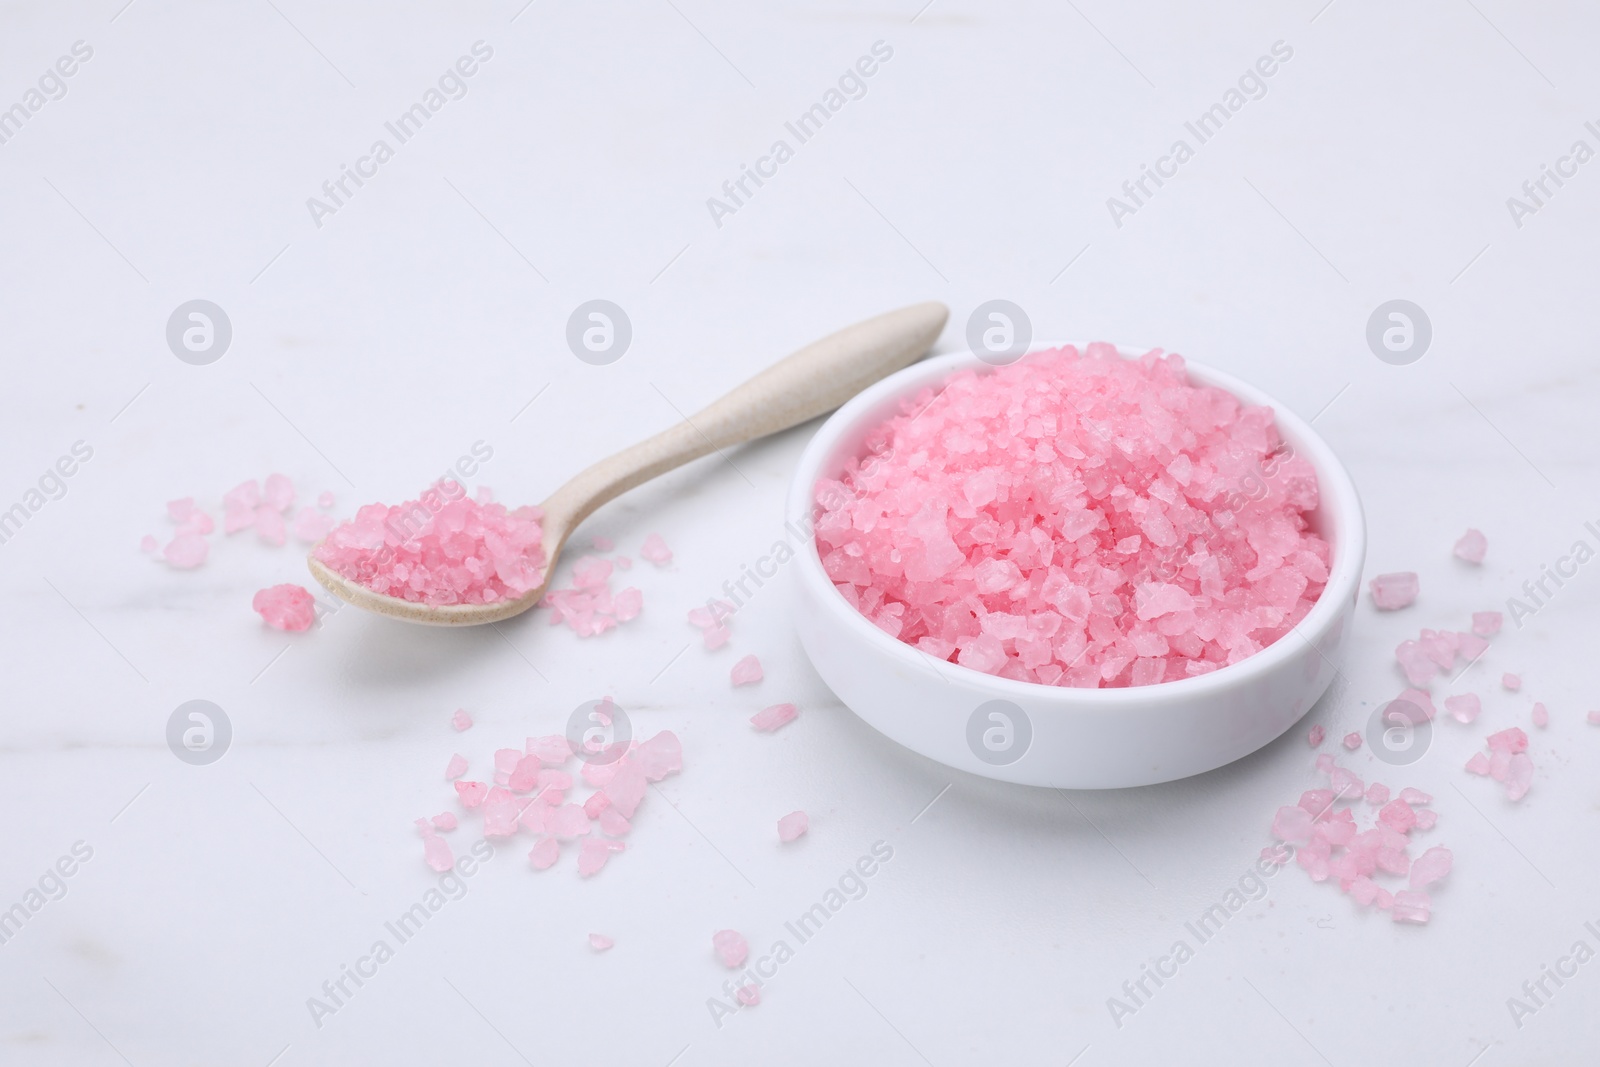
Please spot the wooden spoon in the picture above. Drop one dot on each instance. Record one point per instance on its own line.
(811, 382)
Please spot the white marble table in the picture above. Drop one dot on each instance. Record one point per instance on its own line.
(376, 338)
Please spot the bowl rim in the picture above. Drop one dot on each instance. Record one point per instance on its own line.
(1333, 480)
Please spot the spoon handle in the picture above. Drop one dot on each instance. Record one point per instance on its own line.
(808, 383)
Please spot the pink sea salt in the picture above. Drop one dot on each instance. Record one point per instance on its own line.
(772, 718)
(455, 768)
(460, 720)
(1352, 741)
(439, 550)
(445, 820)
(749, 994)
(655, 550)
(1390, 592)
(793, 825)
(285, 607)
(731, 948)
(544, 853)
(1486, 623)
(278, 493)
(186, 551)
(1541, 716)
(471, 793)
(1315, 735)
(1512, 682)
(1464, 707)
(1377, 794)
(1472, 547)
(148, 543)
(1077, 519)
(593, 854)
(746, 672)
(1412, 906)
(600, 942)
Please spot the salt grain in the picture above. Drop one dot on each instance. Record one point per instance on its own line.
(793, 825)
(746, 672)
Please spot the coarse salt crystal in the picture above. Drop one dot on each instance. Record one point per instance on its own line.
(1352, 741)
(285, 607)
(1541, 715)
(772, 718)
(1512, 682)
(455, 768)
(593, 854)
(1390, 592)
(445, 820)
(472, 794)
(278, 494)
(792, 825)
(1486, 623)
(1315, 735)
(1472, 547)
(1463, 708)
(544, 853)
(655, 550)
(186, 551)
(461, 720)
(148, 543)
(746, 672)
(731, 948)
(600, 942)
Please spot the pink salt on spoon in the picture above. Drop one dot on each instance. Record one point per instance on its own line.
(358, 558)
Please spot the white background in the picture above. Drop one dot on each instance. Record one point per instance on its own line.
(370, 352)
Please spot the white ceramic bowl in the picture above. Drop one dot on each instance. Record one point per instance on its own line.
(1052, 735)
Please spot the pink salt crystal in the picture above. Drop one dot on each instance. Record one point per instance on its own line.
(1398, 816)
(1419, 699)
(1315, 735)
(627, 604)
(436, 852)
(445, 820)
(772, 718)
(553, 749)
(1478, 764)
(270, 527)
(471, 794)
(1472, 547)
(1377, 794)
(1292, 824)
(1519, 776)
(603, 544)
(1415, 797)
(1541, 715)
(600, 942)
(455, 768)
(325, 501)
(1326, 762)
(1486, 623)
(543, 855)
(1419, 667)
(524, 777)
(613, 824)
(1427, 818)
(1412, 906)
(278, 493)
(1347, 785)
(593, 854)
(731, 948)
(1352, 741)
(1431, 866)
(660, 756)
(1463, 708)
(186, 551)
(535, 818)
(1512, 682)
(749, 994)
(505, 761)
(746, 672)
(716, 637)
(443, 549)
(179, 510)
(1510, 741)
(626, 788)
(596, 803)
(461, 720)
(235, 519)
(286, 607)
(793, 825)
(1471, 646)
(500, 813)
(244, 496)
(148, 543)
(311, 526)
(655, 550)
(1317, 801)
(568, 822)
(1363, 890)
(1391, 592)
(1384, 899)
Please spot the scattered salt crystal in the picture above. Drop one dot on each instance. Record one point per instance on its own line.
(1391, 592)
(455, 768)
(600, 942)
(436, 852)
(1377, 794)
(1486, 623)
(1511, 740)
(1519, 776)
(543, 855)
(731, 948)
(524, 777)
(445, 820)
(603, 544)
(179, 510)
(628, 604)
(716, 637)
(270, 527)
(148, 543)
(1315, 735)
(311, 526)
(771, 718)
(1352, 741)
(568, 822)
(553, 749)
(655, 550)
(1325, 762)
(1472, 547)
(747, 671)
(1541, 715)
(1412, 906)
(186, 551)
(1415, 797)
(660, 756)
(1478, 764)
(593, 854)
(1512, 682)
(1463, 708)
(461, 720)
(1292, 824)
(471, 793)
(285, 607)
(613, 824)
(500, 813)
(793, 825)
(245, 496)
(1397, 816)
(749, 994)
(278, 493)
(1426, 818)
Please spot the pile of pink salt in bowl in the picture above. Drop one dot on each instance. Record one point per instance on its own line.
(1077, 519)
(439, 550)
